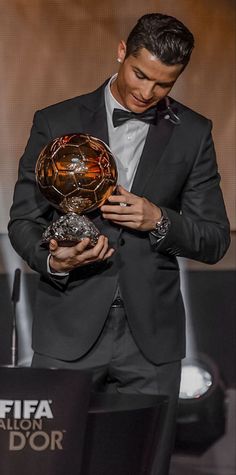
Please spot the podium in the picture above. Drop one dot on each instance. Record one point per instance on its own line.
(43, 417)
(52, 424)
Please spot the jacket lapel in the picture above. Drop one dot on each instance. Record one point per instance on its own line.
(93, 114)
(156, 142)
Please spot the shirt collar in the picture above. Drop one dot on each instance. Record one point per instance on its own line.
(110, 101)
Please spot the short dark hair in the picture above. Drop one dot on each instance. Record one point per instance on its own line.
(162, 35)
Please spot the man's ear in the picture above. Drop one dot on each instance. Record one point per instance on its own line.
(121, 51)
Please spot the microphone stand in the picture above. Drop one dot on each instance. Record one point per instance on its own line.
(15, 298)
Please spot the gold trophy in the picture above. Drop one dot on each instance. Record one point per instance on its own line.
(76, 173)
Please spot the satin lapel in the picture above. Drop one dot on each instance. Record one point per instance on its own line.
(156, 142)
(93, 113)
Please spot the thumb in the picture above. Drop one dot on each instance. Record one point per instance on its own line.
(53, 245)
(123, 191)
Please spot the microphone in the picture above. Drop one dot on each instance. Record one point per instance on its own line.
(15, 297)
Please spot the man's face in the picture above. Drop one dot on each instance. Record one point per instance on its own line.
(143, 80)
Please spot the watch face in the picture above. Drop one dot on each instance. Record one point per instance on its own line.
(162, 227)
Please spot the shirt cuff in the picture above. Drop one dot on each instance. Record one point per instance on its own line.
(56, 274)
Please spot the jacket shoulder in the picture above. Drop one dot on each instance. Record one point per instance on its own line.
(187, 114)
(72, 104)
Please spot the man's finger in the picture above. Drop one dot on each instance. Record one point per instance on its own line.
(53, 245)
(83, 244)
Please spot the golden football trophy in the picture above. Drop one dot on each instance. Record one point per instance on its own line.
(76, 173)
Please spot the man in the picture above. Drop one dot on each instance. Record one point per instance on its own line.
(116, 308)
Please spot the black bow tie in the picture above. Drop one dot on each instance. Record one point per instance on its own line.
(120, 116)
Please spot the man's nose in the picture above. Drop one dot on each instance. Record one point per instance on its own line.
(147, 92)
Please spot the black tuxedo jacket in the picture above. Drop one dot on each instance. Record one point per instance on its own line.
(178, 172)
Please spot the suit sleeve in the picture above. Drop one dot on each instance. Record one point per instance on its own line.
(31, 213)
(200, 231)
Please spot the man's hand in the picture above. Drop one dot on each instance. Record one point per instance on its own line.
(135, 212)
(65, 259)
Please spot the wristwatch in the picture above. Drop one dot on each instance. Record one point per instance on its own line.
(162, 226)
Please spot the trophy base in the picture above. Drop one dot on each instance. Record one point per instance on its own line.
(70, 229)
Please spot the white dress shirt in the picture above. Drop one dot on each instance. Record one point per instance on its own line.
(126, 141)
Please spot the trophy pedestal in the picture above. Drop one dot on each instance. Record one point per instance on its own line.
(70, 229)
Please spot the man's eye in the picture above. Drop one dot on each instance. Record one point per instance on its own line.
(139, 76)
(164, 86)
